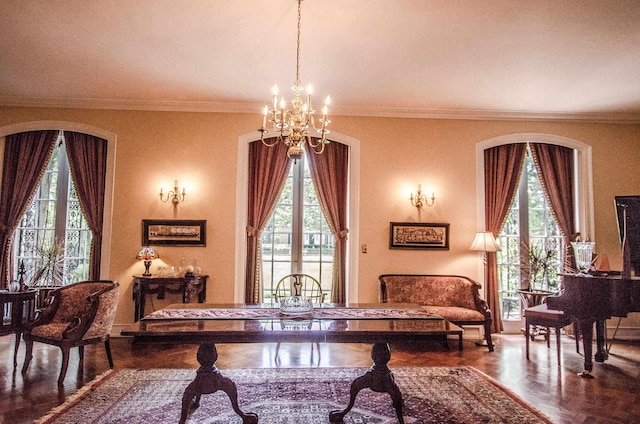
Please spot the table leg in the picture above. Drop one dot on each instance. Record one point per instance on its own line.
(378, 378)
(15, 349)
(209, 380)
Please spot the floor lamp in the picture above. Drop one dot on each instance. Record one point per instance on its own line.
(485, 242)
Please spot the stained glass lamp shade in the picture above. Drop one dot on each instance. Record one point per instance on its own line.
(147, 254)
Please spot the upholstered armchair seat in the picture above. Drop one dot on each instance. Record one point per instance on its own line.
(79, 314)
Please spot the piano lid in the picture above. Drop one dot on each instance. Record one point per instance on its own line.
(630, 205)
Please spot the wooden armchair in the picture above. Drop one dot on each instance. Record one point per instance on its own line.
(300, 285)
(79, 314)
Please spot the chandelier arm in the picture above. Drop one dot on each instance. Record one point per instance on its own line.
(277, 139)
(315, 149)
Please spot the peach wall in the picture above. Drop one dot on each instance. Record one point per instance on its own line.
(200, 150)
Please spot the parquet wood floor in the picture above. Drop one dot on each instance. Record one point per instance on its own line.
(557, 391)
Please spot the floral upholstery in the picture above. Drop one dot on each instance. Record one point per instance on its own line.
(74, 302)
(78, 314)
(455, 298)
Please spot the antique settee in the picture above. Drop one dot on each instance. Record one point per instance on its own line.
(453, 297)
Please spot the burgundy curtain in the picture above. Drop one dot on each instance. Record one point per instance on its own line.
(88, 164)
(555, 166)
(502, 167)
(25, 159)
(329, 172)
(268, 170)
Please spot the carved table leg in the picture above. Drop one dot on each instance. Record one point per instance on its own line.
(209, 380)
(379, 379)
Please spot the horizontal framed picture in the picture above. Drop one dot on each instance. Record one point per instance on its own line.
(419, 235)
(156, 232)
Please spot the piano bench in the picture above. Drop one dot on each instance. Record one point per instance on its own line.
(541, 316)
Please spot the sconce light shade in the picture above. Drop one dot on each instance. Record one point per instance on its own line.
(147, 254)
(485, 242)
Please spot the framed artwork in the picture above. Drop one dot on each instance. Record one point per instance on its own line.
(418, 235)
(156, 232)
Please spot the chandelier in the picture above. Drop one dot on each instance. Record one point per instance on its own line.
(293, 125)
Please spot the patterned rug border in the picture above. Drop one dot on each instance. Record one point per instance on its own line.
(80, 394)
(513, 395)
(94, 384)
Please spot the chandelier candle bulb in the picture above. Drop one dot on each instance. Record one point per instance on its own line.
(265, 111)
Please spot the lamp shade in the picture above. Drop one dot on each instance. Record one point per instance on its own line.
(148, 254)
(485, 242)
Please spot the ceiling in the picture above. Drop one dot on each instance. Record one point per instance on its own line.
(473, 59)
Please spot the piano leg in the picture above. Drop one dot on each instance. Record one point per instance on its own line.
(586, 331)
(601, 331)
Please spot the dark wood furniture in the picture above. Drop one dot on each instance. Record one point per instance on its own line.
(186, 286)
(540, 315)
(594, 299)
(17, 309)
(264, 327)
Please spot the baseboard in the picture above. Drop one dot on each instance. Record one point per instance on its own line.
(623, 333)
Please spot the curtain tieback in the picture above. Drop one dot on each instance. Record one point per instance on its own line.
(251, 231)
(343, 234)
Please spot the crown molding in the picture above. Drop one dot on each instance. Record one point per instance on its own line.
(367, 111)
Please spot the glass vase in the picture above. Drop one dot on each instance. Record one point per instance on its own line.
(583, 251)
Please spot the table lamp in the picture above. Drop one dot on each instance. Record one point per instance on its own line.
(147, 254)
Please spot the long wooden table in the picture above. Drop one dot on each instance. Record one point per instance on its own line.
(207, 324)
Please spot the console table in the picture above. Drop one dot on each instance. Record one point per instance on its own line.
(154, 284)
(209, 324)
(17, 308)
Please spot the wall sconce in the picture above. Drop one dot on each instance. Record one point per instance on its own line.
(420, 199)
(174, 195)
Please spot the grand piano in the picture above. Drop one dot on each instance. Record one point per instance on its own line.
(592, 299)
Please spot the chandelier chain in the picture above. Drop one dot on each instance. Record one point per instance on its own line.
(298, 44)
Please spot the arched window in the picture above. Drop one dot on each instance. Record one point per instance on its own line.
(54, 210)
(53, 240)
(352, 213)
(499, 293)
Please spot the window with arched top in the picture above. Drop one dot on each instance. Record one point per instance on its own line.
(537, 225)
(58, 178)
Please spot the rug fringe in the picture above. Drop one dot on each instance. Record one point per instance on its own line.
(79, 394)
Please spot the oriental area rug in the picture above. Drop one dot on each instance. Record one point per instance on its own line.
(296, 396)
